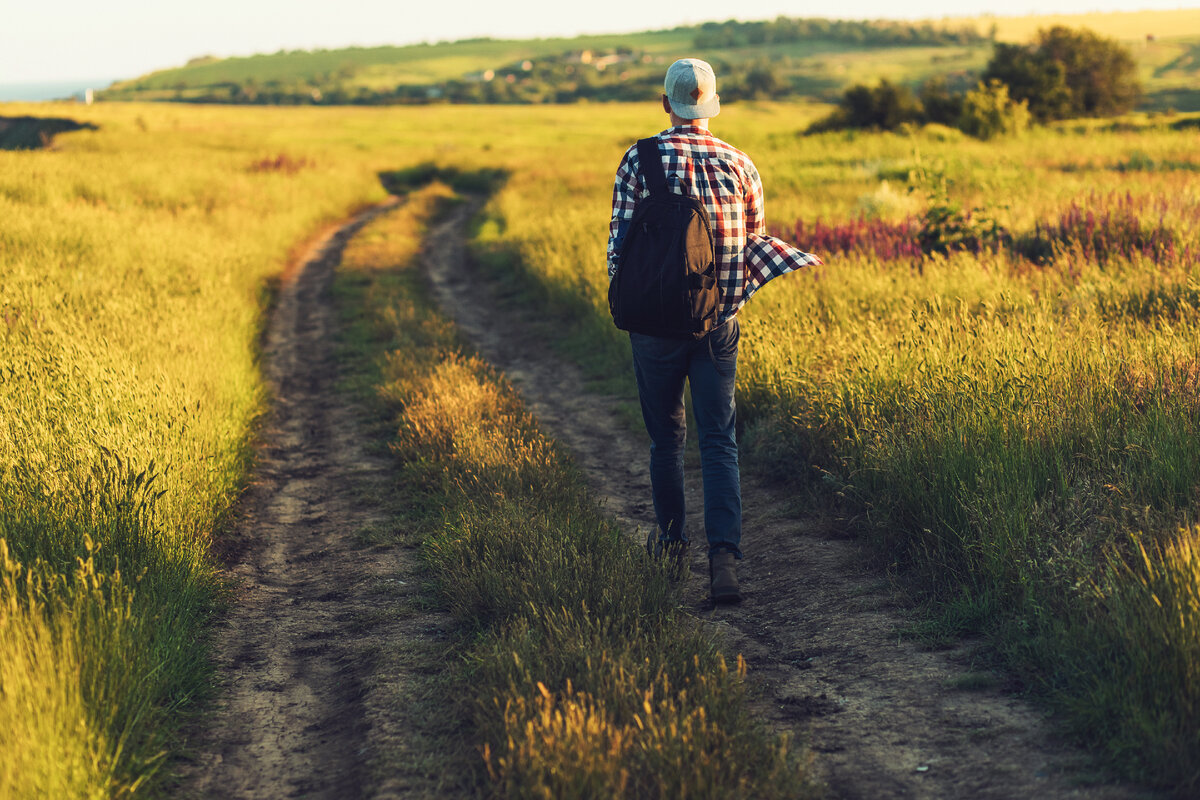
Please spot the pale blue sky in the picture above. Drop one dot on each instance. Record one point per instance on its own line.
(47, 40)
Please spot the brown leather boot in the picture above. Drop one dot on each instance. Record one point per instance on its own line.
(722, 572)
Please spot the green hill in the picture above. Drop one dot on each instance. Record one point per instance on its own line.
(799, 57)
(813, 58)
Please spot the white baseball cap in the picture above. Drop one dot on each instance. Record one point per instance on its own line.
(691, 89)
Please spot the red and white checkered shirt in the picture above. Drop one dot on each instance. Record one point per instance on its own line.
(724, 178)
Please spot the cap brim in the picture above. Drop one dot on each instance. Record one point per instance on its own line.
(701, 111)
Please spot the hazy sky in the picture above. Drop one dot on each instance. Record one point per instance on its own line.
(48, 40)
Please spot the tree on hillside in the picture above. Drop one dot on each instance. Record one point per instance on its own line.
(1067, 73)
(762, 82)
(759, 80)
(883, 107)
(787, 30)
(941, 105)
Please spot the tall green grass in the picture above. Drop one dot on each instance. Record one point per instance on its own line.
(134, 266)
(1016, 432)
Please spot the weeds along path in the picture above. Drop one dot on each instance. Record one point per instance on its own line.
(303, 710)
(884, 718)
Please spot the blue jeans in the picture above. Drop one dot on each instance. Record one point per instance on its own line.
(710, 366)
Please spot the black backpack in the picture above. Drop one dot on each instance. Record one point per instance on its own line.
(666, 281)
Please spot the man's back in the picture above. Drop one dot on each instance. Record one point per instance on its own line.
(726, 181)
(717, 174)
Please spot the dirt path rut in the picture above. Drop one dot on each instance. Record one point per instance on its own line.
(302, 712)
(819, 629)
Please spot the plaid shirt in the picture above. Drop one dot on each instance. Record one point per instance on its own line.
(725, 180)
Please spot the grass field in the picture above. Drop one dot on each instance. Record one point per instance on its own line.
(1018, 427)
(1127, 26)
(1019, 432)
(137, 262)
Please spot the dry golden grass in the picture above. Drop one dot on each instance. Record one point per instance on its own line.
(1122, 25)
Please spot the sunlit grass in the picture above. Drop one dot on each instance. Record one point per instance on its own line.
(1122, 25)
(135, 267)
(1006, 423)
(1012, 428)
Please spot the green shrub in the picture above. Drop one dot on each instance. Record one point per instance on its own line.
(885, 107)
(942, 105)
(988, 111)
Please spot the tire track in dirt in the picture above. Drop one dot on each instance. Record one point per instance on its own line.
(301, 710)
(818, 627)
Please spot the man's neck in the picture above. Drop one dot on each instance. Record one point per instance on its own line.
(680, 122)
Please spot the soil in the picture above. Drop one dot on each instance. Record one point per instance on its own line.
(819, 626)
(322, 658)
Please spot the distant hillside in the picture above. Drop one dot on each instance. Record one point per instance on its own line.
(813, 58)
(779, 57)
(1122, 25)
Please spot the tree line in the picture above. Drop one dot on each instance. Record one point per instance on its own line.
(788, 30)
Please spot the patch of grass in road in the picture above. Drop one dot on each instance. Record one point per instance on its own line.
(580, 674)
(417, 740)
(974, 681)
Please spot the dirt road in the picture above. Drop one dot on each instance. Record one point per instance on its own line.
(819, 630)
(322, 653)
(306, 707)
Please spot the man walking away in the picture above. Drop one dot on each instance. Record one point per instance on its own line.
(724, 180)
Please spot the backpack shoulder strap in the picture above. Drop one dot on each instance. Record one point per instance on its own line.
(651, 166)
